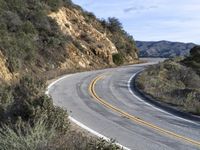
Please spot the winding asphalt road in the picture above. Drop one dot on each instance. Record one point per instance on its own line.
(103, 101)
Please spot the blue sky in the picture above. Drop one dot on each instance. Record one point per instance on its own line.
(152, 20)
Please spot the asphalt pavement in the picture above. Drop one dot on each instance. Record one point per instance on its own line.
(145, 132)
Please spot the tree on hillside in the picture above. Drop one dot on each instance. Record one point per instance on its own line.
(193, 60)
(195, 52)
(114, 24)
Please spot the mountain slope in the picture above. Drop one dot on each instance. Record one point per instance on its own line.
(164, 49)
(52, 36)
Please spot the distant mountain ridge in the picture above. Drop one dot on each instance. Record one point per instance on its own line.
(163, 48)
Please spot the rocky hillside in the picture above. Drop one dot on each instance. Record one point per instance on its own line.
(164, 49)
(46, 36)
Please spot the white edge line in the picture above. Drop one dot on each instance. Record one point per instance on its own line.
(142, 100)
(81, 124)
(50, 85)
(96, 133)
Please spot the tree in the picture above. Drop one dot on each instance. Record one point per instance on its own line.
(55, 4)
(114, 24)
(195, 52)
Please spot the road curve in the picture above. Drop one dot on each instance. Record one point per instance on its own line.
(121, 115)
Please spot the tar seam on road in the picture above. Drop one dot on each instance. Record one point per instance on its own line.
(134, 118)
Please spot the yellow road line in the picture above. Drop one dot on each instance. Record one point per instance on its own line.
(134, 118)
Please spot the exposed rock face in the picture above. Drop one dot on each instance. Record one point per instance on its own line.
(93, 42)
(50, 41)
(5, 74)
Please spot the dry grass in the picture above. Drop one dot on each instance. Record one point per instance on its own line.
(25, 137)
(39, 137)
(172, 83)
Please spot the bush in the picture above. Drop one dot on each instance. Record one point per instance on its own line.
(38, 137)
(54, 4)
(195, 52)
(6, 96)
(76, 140)
(24, 136)
(6, 99)
(118, 59)
(114, 25)
(27, 101)
(28, 28)
(12, 21)
(193, 60)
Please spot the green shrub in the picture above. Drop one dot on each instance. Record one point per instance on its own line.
(118, 59)
(6, 99)
(55, 4)
(193, 60)
(26, 137)
(74, 140)
(6, 95)
(26, 100)
(23, 136)
(101, 144)
(114, 25)
(28, 28)
(195, 52)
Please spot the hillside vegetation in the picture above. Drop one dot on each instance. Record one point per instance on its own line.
(37, 36)
(29, 120)
(164, 49)
(40, 39)
(175, 81)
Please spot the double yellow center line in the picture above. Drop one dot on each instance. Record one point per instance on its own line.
(134, 118)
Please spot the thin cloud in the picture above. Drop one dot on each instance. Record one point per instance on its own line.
(130, 9)
(140, 8)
